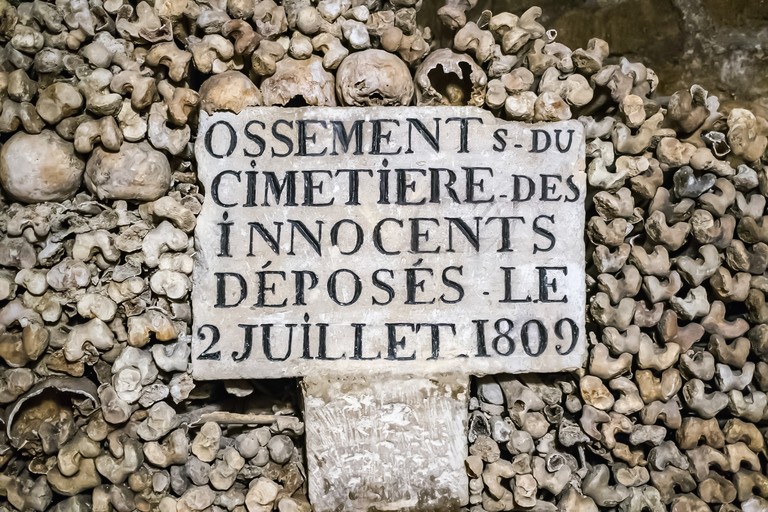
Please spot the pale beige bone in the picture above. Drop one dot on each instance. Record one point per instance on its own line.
(607, 315)
(173, 450)
(694, 429)
(213, 54)
(104, 130)
(229, 91)
(752, 205)
(708, 230)
(58, 101)
(610, 233)
(730, 288)
(162, 239)
(736, 430)
(300, 79)
(706, 405)
(629, 144)
(96, 305)
(16, 114)
(628, 285)
(142, 88)
(673, 211)
(669, 412)
(671, 331)
(98, 99)
(617, 204)
(525, 29)
(118, 469)
(574, 89)
(141, 327)
(551, 107)
(715, 323)
(132, 124)
(661, 290)
(619, 343)
(652, 356)
(744, 136)
(520, 106)
(161, 135)
(602, 365)
(334, 52)
(749, 407)
(595, 485)
(169, 55)
(618, 423)
(374, 77)
(86, 478)
(590, 61)
(698, 365)
(246, 39)
(610, 262)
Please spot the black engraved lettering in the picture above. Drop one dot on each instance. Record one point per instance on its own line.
(358, 354)
(559, 147)
(431, 139)
(559, 333)
(358, 236)
(393, 343)
(207, 355)
(232, 139)
(255, 138)
(221, 289)
(377, 242)
(272, 241)
(543, 232)
(453, 285)
(216, 182)
(301, 287)
(282, 138)
(378, 283)
(542, 338)
(304, 137)
(314, 242)
(473, 237)
(344, 138)
(464, 132)
(272, 185)
(333, 292)
(541, 141)
(503, 326)
(266, 342)
(247, 343)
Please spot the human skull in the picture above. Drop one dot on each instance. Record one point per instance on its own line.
(449, 78)
(373, 78)
(298, 83)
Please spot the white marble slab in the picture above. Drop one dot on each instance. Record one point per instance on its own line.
(407, 241)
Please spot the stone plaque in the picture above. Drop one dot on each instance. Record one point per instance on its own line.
(394, 240)
(379, 442)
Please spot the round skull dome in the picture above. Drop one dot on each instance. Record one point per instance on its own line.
(40, 167)
(374, 78)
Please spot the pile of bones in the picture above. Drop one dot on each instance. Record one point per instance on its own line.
(100, 101)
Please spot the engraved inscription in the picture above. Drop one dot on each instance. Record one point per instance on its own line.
(389, 239)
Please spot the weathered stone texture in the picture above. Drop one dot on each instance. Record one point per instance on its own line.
(383, 443)
(456, 246)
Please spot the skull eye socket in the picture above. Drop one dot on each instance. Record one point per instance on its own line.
(456, 89)
(297, 101)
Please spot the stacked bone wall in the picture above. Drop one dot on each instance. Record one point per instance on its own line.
(100, 102)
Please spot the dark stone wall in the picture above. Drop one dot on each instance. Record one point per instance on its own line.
(720, 44)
